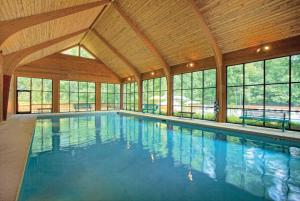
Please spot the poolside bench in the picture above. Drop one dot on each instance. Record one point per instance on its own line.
(190, 113)
(150, 107)
(43, 109)
(276, 116)
(78, 106)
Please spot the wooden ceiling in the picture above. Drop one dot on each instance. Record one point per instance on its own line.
(169, 25)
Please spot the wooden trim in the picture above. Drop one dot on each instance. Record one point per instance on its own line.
(10, 27)
(132, 68)
(143, 37)
(278, 48)
(12, 60)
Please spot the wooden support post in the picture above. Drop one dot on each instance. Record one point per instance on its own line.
(6, 89)
(98, 96)
(170, 95)
(121, 96)
(221, 93)
(56, 95)
(140, 94)
(1, 87)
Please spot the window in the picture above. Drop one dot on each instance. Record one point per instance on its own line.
(268, 88)
(78, 51)
(77, 96)
(110, 96)
(130, 96)
(34, 95)
(155, 93)
(196, 93)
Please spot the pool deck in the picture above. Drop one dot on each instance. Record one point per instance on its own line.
(15, 139)
(16, 135)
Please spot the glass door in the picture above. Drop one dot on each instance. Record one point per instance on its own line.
(24, 102)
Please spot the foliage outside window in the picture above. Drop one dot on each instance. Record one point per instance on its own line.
(77, 96)
(267, 88)
(196, 93)
(155, 93)
(78, 51)
(34, 95)
(110, 96)
(130, 96)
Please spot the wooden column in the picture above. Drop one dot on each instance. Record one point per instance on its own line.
(221, 94)
(1, 87)
(140, 94)
(98, 96)
(56, 95)
(170, 95)
(6, 88)
(121, 96)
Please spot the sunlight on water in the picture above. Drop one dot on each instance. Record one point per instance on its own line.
(114, 157)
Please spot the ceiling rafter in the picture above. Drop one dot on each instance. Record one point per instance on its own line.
(208, 34)
(12, 60)
(97, 19)
(143, 37)
(132, 68)
(10, 27)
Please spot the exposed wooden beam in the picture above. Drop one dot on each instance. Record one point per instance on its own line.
(221, 80)
(12, 60)
(97, 19)
(143, 37)
(10, 27)
(208, 34)
(132, 68)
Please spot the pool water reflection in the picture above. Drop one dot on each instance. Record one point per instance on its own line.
(116, 157)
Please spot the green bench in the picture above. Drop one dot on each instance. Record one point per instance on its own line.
(275, 117)
(150, 108)
(79, 106)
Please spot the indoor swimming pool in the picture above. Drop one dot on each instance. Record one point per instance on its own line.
(112, 156)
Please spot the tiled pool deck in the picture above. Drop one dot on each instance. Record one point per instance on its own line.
(16, 135)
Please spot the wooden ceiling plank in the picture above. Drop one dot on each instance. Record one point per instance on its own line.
(100, 61)
(8, 28)
(208, 34)
(143, 37)
(132, 69)
(12, 60)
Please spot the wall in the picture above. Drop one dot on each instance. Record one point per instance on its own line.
(65, 67)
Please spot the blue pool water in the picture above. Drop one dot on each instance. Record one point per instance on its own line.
(112, 156)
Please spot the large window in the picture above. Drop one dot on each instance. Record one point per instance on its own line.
(130, 96)
(110, 96)
(266, 88)
(155, 94)
(34, 95)
(78, 51)
(77, 96)
(195, 93)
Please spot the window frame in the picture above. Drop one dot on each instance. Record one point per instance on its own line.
(264, 110)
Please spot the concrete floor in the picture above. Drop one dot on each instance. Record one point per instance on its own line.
(15, 139)
(16, 135)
